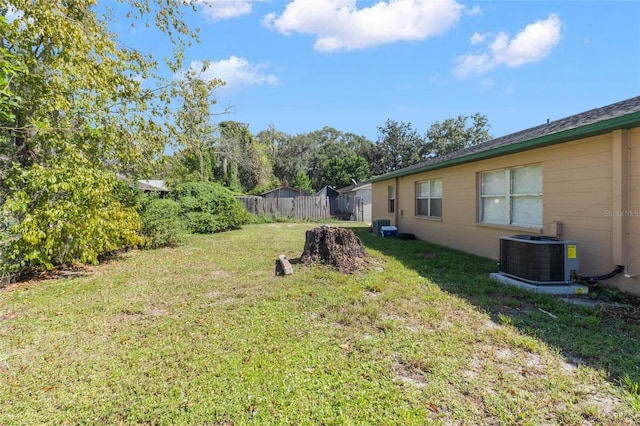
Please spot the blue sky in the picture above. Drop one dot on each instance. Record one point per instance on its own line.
(300, 65)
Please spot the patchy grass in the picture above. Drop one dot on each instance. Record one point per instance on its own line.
(206, 334)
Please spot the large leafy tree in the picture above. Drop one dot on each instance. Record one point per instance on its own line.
(329, 143)
(8, 69)
(339, 172)
(399, 145)
(244, 163)
(194, 136)
(293, 155)
(80, 114)
(315, 155)
(454, 134)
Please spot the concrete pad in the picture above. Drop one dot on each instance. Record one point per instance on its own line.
(547, 289)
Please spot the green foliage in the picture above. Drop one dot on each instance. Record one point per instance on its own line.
(192, 132)
(209, 207)
(292, 155)
(399, 145)
(339, 171)
(302, 181)
(73, 109)
(204, 223)
(310, 152)
(8, 68)
(453, 134)
(61, 214)
(161, 223)
(243, 161)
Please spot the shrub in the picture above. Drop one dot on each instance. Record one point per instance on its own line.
(61, 214)
(209, 207)
(161, 223)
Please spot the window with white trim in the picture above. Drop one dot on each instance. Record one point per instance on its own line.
(429, 198)
(392, 198)
(512, 196)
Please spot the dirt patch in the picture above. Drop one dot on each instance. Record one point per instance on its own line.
(219, 274)
(7, 316)
(412, 372)
(15, 281)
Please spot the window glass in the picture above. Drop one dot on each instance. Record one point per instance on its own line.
(392, 199)
(526, 211)
(518, 203)
(423, 189)
(435, 205)
(429, 198)
(494, 183)
(526, 180)
(494, 210)
(436, 188)
(422, 207)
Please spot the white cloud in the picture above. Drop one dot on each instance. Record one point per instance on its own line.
(474, 11)
(477, 38)
(532, 44)
(236, 72)
(339, 24)
(216, 10)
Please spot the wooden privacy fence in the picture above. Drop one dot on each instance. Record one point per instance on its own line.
(301, 208)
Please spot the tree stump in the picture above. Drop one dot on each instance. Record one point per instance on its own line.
(337, 247)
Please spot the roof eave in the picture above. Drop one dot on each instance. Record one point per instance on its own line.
(593, 129)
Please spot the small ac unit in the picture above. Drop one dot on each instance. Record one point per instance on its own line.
(538, 259)
(377, 224)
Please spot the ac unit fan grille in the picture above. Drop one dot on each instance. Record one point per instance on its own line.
(533, 262)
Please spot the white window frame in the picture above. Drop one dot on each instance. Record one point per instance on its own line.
(509, 198)
(429, 196)
(391, 195)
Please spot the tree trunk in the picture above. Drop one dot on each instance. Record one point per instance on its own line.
(337, 247)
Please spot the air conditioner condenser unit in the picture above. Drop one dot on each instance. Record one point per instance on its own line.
(538, 259)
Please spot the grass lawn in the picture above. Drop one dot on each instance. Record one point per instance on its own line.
(206, 334)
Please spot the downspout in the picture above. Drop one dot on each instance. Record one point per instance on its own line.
(620, 192)
(397, 209)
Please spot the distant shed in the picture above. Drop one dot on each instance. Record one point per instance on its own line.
(286, 192)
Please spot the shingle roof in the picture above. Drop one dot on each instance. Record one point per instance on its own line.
(624, 114)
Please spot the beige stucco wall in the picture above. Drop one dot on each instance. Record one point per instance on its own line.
(579, 190)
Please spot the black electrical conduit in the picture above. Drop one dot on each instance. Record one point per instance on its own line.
(594, 280)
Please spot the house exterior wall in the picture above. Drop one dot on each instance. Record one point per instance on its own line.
(365, 194)
(631, 285)
(581, 190)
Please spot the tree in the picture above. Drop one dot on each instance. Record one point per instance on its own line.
(453, 134)
(399, 146)
(342, 171)
(80, 115)
(302, 182)
(8, 68)
(329, 143)
(293, 154)
(270, 139)
(307, 154)
(245, 164)
(193, 132)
